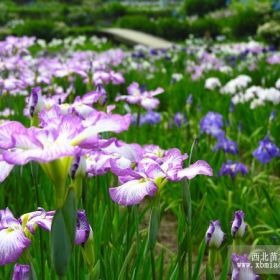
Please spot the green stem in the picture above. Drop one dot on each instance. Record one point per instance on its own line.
(40, 232)
(153, 230)
(138, 117)
(212, 259)
(127, 234)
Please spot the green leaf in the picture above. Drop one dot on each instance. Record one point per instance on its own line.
(95, 272)
(225, 269)
(127, 261)
(209, 273)
(63, 234)
(199, 260)
(33, 272)
(153, 227)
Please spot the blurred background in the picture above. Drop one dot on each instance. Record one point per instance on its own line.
(174, 20)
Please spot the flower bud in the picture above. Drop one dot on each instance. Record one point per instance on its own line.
(214, 235)
(21, 272)
(238, 225)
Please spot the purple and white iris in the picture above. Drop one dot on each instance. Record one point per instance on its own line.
(152, 172)
(214, 235)
(140, 96)
(16, 234)
(60, 137)
(238, 225)
(242, 268)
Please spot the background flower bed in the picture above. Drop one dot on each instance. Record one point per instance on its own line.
(60, 20)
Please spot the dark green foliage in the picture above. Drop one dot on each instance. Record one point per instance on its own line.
(173, 29)
(246, 22)
(140, 23)
(205, 27)
(42, 29)
(202, 7)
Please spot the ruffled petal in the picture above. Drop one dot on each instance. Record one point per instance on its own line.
(132, 192)
(12, 244)
(39, 218)
(200, 167)
(7, 130)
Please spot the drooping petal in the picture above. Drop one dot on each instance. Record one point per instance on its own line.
(132, 192)
(200, 167)
(5, 168)
(7, 131)
(12, 244)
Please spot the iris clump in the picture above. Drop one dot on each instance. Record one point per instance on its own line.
(98, 137)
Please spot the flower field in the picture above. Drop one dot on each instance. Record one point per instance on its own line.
(120, 163)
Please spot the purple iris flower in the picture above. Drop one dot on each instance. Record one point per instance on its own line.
(227, 145)
(35, 101)
(61, 136)
(141, 97)
(232, 168)
(21, 272)
(242, 268)
(83, 228)
(212, 124)
(266, 151)
(116, 156)
(15, 235)
(238, 225)
(179, 119)
(150, 117)
(214, 235)
(152, 172)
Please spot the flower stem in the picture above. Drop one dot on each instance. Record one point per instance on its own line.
(138, 117)
(212, 258)
(153, 230)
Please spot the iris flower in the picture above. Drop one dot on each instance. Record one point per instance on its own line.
(16, 234)
(227, 145)
(214, 235)
(140, 96)
(60, 138)
(232, 168)
(238, 225)
(152, 173)
(266, 151)
(212, 124)
(242, 269)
